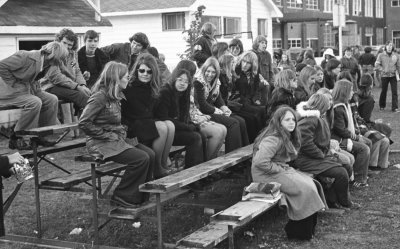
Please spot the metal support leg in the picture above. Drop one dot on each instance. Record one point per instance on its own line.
(100, 195)
(159, 221)
(94, 205)
(37, 197)
(230, 237)
(2, 213)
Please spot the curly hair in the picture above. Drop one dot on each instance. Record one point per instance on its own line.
(69, 35)
(252, 58)
(257, 41)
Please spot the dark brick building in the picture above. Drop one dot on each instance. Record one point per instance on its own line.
(308, 23)
(392, 21)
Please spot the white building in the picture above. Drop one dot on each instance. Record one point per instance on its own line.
(27, 24)
(163, 21)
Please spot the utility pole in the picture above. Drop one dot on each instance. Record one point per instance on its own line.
(339, 20)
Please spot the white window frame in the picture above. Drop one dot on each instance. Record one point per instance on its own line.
(237, 25)
(36, 38)
(329, 36)
(309, 41)
(164, 17)
(278, 3)
(294, 4)
(369, 8)
(312, 5)
(294, 41)
(216, 22)
(397, 3)
(379, 9)
(328, 6)
(357, 7)
(263, 32)
(276, 43)
(379, 36)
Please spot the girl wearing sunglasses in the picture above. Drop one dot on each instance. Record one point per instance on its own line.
(137, 112)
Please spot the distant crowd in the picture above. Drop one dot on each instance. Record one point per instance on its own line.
(304, 119)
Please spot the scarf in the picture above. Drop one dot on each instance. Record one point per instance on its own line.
(209, 90)
(350, 121)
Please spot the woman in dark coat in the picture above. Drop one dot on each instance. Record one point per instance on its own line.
(101, 121)
(283, 94)
(332, 70)
(174, 105)
(202, 46)
(249, 84)
(208, 98)
(314, 156)
(138, 111)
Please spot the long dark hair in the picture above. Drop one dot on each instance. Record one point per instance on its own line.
(291, 140)
(182, 100)
(151, 63)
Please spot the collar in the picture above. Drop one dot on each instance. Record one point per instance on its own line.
(306, 113)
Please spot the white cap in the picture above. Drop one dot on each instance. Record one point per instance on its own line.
(328, 51)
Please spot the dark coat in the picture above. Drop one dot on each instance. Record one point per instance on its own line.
(101, 60)
(5, 166)
(226, 86)
(329, 79)
(202, 50)
(101, 122)
(249, 89)
(281, 96)
(168, 109)
(206, 106)
(265, 66)
(137, 112)
(119, 52)
(315, 142)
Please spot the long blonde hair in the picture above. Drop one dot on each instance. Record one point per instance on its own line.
(110, 78)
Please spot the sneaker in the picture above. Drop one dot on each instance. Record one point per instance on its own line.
(381, 109)
(356, 184)
(115, 200)
(396, 110)
(18, 143)
(45, 142)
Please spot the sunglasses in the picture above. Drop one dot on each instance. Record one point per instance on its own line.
(144, 70)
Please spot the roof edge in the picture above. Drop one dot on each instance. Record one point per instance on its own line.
(48, 30)
(143, 12)
(2, 2)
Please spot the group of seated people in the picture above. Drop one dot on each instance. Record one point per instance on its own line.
(133, 110)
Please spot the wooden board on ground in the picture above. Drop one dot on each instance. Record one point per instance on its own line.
(237, 215)
(198, 172)
(133, 213)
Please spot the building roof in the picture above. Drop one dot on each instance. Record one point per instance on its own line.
(107, 6)
(51, 13)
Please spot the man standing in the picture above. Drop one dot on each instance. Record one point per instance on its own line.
(387, 63)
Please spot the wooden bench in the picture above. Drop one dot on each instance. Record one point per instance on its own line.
(185, 177)
(224, 223)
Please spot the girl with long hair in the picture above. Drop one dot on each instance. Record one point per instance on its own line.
(277, 145)
(207, 96)
(142, 95)
(343, 130)
(226, 77)
(213, 134)
(305, 81)
(101, 121)
(174, 105)
(283, 94)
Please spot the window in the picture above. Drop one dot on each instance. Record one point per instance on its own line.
(346, 6)
(232, 25)
(276, 43)
(379, 36)
(312, 42)
(216, 20)
(294, 4)
(295, 43)
(379, 9)
(328, 5)
(369, 33)
(329, 36)
(262, 27)
(173, 21)
(278, 3)
(369, 8)
(395, 3)
(357, 8)
(396, 38)
(312, 4)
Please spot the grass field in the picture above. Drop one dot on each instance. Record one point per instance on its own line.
(375, 225)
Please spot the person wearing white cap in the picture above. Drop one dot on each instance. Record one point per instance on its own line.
(327, 55)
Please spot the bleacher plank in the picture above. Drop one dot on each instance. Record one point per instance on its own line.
(217, 230)
(197, 172)
(75, 178)
(48, 130)
(61, 146)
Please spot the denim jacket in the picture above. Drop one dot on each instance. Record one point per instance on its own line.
(101, 121)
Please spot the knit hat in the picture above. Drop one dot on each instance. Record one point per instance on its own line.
(140, 38)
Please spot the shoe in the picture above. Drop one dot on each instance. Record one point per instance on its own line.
(45, 142)
(381, 109)
(375, 168)
(356, 184)
(115, 200)
(396, 110)
(18, 143)
(160, 173)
